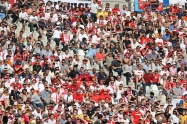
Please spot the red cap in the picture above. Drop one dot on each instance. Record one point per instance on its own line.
(182, 63)
(41, 9)
(75, 31)
(85, 60)
(165, 66)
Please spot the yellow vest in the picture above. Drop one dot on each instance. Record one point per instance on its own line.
(99, 14)
(183, 118)
(184, 104)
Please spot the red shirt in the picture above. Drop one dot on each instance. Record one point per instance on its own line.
(95, 97)
(147, 78)
(56, 116)
(73, 20)
(136, 115)
(17, 84)
(104, 96)
(38, 14)
(144, 40)
(181, 81)
(173, 84)
(100, 56)
(155, 78)
(74, 87)
(25, 118)
(78, 97)
(117, 10)
(87, 77)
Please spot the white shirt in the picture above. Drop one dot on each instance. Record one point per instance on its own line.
(36, 114)
(159, 41)
(138, 72)
(56, 107)
(128, 13)
(85, 66)
(33, 18)
(57, 6)
(52, 121)
(41, 87)
(164, 72)
(56, 34)
(8, 67)
(47, 15)
(23, 15)
(65, 56)
(82, 36)
(55, 18)
(112, 89)
(94, 39)
(100, 21)
(134, 45)
(118, 94)
(175, 119)
(117, 83)
(94, 8)
(35, 86)
(70, 98)
(48, 79)
(55, 97)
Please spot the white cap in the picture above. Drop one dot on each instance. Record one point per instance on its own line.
(81, 26)
(58, 23)
(173, 63)
(15, 103)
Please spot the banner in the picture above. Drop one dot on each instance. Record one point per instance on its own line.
(76, 3)
(138, 6)
(159, 5)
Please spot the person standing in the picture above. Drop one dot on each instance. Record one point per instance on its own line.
(93, 10)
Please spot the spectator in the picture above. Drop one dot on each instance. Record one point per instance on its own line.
(36, 100)
(93, 10)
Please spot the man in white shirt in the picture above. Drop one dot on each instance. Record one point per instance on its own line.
(93, 10)
(68, 98)
(37, 113)
(33, 19)
(82, 35)
(23, 17)
(134, 44)
(51, 120)
(47, 14)
(57, 35)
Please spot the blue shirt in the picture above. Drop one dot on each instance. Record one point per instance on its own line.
(91, 52)
(165, 37)
(122, 11)
(45, 95)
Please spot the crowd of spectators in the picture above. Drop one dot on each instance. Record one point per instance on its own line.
(92, 64)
